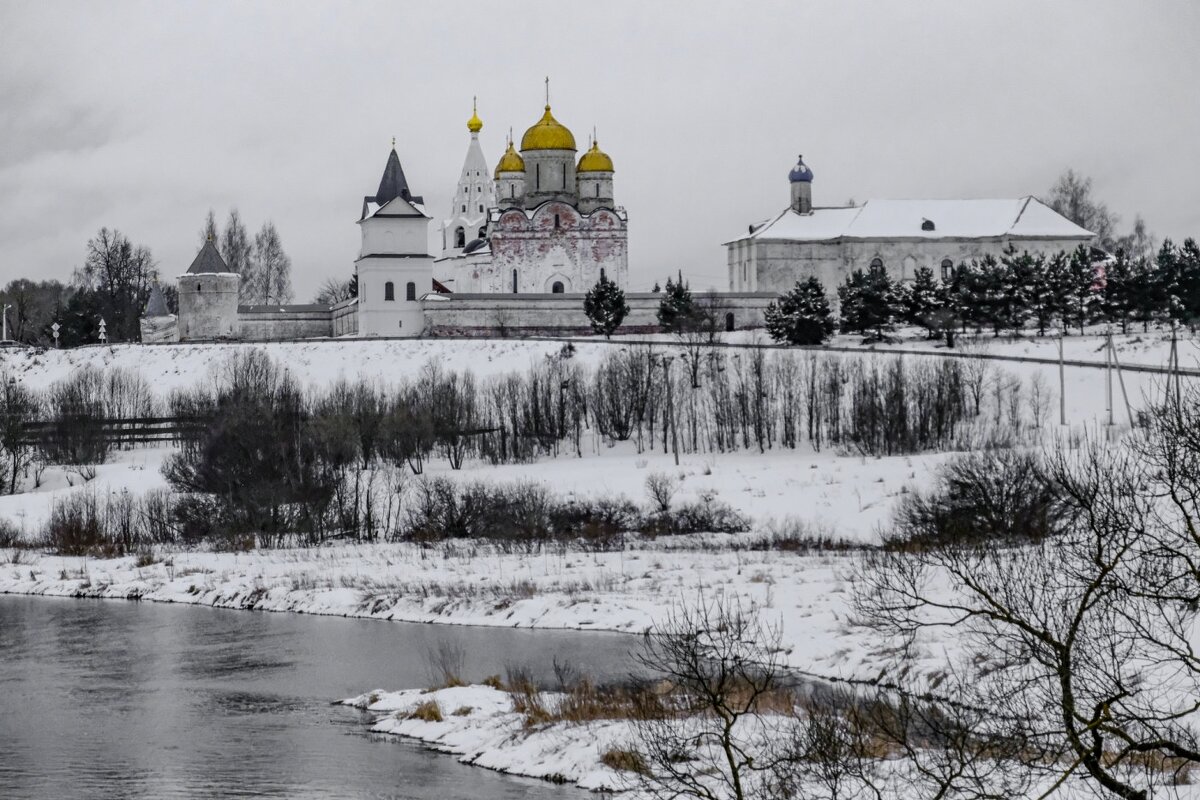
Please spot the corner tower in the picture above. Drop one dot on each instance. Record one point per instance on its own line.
(208, 298)
(475, 194)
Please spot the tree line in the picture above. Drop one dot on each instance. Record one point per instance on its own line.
(1017, 292)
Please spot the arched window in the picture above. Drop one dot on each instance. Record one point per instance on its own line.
(729, 321)
(460, 236)
(389, 291)
(603, 275)
(514, 281)
(410, 291)
(481, 208)
(877, 263)
(947, 269)
(557, 287)
(197, 286)
(481, 232)
(557, 222)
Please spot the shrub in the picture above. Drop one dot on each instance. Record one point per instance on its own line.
(994, 496)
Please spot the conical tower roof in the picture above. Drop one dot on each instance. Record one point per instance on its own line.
(393, 183)
(156, 306)
(208, 260)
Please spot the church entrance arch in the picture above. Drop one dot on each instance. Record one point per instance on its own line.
(558, 284)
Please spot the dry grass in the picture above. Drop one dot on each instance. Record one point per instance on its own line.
(623, 760)
(463, 711)
(429, 711)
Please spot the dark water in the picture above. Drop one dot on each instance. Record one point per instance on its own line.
(112, 699)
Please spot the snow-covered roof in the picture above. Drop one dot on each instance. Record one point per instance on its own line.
(396, 207)
(923, 219)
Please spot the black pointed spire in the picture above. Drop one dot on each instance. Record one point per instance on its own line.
(208, 260)
(393, 183)
(156, 306)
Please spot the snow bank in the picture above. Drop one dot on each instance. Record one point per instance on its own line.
(479, 725)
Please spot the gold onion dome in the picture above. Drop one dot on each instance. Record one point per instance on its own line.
(511, 161)
(548, 134)
(595, 160)
(474, 124)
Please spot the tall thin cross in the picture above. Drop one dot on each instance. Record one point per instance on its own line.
(393, 142)
(547, 90)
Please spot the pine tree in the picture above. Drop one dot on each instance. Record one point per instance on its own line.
(1189, 281)
(269, 279)
(921, 300)
(1147, 293)
(605, 307)
(867, 302)
(1082, 288)
(237, 250)
(1058, 287)
(1117, 299)
(1017, 286)
(677, 310)
(802, 315)
(1041, 298)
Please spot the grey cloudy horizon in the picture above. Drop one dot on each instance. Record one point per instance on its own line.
(142, 116)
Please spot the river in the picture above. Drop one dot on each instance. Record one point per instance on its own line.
(116, 699)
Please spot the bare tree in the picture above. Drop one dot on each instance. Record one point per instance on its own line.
(268, 277)
(333, 291)
(1082, 639)
(713, 739)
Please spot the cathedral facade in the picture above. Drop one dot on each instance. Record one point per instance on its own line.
(553, 227)
(902, 236)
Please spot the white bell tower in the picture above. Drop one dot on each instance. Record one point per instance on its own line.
(476, 193)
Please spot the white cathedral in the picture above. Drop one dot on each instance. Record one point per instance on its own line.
(541, 223)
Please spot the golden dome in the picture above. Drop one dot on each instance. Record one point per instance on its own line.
(548, 134)
(511, 161)
(474, 124)
(595, 160)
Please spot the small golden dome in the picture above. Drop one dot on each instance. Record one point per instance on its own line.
(511, 161)
(595, 160)
(474, 124)
(548, 134)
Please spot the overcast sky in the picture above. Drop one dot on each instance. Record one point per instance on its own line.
(142, 116)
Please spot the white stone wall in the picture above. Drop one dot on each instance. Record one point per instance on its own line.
(394, 235)
(776, 265)
(552, 314)
(556, 243)
(208, 306)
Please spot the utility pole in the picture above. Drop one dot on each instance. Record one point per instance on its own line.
(671, 409)
(1062, 383)
(1108, 359)
(6, 308)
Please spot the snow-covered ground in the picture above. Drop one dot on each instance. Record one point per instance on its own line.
(480, 726)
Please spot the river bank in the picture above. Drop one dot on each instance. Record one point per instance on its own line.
(473, 584)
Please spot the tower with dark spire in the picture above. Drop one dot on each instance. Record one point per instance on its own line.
(393, 184)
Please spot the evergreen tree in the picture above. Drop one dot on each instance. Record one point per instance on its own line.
(802, 315)
(1082, 289)
(988, 294)
(867, 302)
(1058, 287)
(1017, 287)
(1188, 291)
(677, 309)
(605, 307)
(1147, 293)
(1041, 298)
(1117, 299)
(921, 299)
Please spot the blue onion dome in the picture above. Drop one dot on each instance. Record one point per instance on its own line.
(800, 173)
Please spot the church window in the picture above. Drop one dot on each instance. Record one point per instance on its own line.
(557, 288)
(597, 190)
(729, 321)
(927, 225)
(481, 232)
(464, 208)
(410, 291)
(197, 287)
(603, 277)
(537, 176)
(557, 222)
(947, 269)
(389, 291)
(514, 282)
(460, 236)
(876, 263)
(481, 208)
